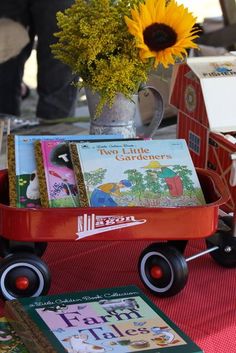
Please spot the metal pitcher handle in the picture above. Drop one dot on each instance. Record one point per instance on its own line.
(150, 129)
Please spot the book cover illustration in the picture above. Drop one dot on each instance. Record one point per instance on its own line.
(56, 177)
(153, 173)
(117, 320)
(10, 342)
(23, 178)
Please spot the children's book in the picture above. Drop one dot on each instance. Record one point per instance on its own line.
(10, 342)
(117, 320)
(151, 173)
(23, 178)
(57, 186)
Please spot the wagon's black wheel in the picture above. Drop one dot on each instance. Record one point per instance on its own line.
(11, 246)
(228, 220)
(163, 270)
(225, 255)
(23, 275)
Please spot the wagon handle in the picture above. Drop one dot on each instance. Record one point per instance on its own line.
(217, 184)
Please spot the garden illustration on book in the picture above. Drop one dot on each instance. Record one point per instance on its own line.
(139, 173)
(172, 186)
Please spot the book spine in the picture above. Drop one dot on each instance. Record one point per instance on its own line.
(12, 170)
(31, 335)
(9, 340)
(41, 174)
(83, 197)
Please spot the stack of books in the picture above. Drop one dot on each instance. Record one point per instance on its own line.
(85, 171)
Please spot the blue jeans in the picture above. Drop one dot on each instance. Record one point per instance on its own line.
(57, 97)
(100, 198)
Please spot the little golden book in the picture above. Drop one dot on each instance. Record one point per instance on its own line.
(115, 320)
(10, 342)
(149, 173)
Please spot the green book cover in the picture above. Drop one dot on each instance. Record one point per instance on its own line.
(10, 342)
(118, 320)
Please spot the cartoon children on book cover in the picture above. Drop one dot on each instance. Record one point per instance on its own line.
(154, 173)
(117, 325)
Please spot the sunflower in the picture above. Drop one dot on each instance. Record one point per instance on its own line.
(163, 30)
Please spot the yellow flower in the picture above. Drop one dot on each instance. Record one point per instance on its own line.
(163, 30)
(113, 45)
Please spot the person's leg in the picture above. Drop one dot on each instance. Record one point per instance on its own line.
(11, 71)
(57, 96)
(25, 90)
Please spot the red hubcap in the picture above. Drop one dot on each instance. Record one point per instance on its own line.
(156, 272)
(22, 283)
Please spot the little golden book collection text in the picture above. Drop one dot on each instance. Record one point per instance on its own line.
(149, 173)
(115, 320)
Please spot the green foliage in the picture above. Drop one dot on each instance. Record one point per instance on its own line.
(63, 202)
(151, 179)
(148, 189)
(94, 177)
(94, 41)
(136, 178)
(185, 175)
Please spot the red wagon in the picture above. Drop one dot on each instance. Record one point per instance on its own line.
(24, 234)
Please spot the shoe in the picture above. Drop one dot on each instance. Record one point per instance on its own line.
(13, 123)
(18, 124)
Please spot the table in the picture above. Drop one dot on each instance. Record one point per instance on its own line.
(204, 309)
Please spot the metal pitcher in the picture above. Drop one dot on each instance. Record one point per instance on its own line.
(124, 116)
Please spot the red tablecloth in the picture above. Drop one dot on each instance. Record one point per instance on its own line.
(205, 309)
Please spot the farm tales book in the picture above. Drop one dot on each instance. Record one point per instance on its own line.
(118, 320)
